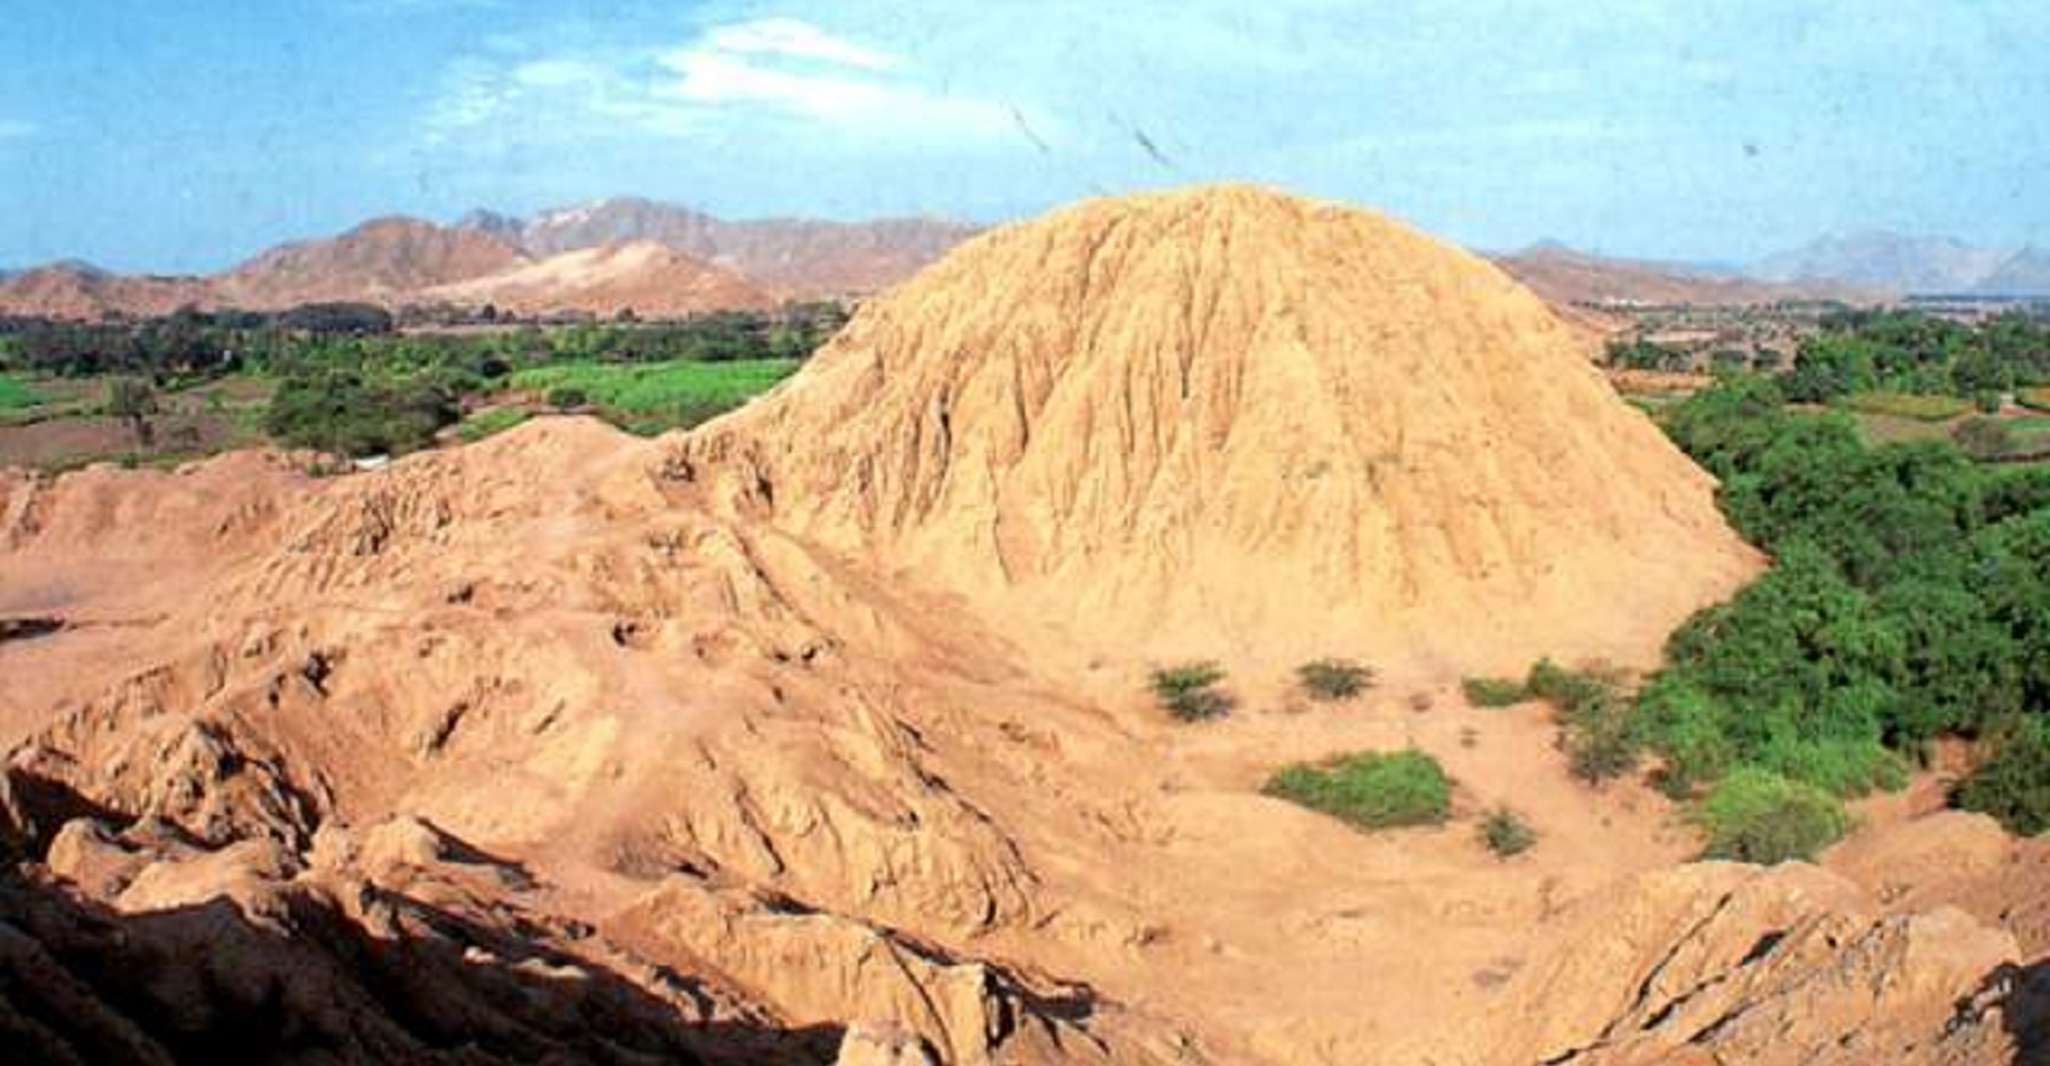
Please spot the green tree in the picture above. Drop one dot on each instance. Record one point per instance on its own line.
(133, 401)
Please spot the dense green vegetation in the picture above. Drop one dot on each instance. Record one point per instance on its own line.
(16, 393)
(1758, 816)
(1907, 352)
(1909, 598)
(347, 380)
(1372, 789)
(353, 413)
(2014, 784)
(653, 397)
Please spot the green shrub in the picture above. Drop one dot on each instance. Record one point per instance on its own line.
(1595, 726)
(1599, 740)
(1375, 790)
(1685, 726)
(1568, 690)
(564, 397)
(1506, 833)
(1189, 691)
(2014, 785)
(1334, 679)
(1494, 691)
(1840, 766)
(1757, 816)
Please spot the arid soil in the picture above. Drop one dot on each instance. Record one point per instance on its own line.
(822, 730)
(643, 276)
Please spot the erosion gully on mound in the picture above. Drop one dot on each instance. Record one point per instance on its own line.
(820, 732)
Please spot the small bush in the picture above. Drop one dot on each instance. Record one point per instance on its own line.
(1599, 740)
(1758, 816)
(1189, 691)
(1375, 790)
(1334, 679)
(1596, 730)
(1494, 691)
(564, 397)
(1506, 833)
(2014, 785)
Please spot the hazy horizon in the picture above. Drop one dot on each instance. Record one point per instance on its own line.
(142, 138)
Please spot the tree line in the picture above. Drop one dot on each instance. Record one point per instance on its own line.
(1909, 599)
(193, 344)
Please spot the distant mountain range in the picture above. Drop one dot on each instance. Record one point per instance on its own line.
(663, 259)
(804, 256)
(1564, 276)
(1911, 263)
(655, 258)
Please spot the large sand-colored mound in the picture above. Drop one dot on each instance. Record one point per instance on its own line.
(1228, 418)
(764, 743)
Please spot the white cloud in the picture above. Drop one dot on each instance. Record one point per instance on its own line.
(797, 39)
(16, 129)
(712, 76)
(777, 69)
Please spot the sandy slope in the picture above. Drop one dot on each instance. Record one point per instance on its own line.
(778, 727)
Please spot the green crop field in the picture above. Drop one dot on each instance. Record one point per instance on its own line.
(652, 397)
(15, 393)
(1928, 408)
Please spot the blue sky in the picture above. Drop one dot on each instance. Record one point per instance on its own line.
(142, 134)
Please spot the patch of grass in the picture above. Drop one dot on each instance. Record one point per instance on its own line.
(15, 394)
(651, 397)
(2035, 397)
(1755, 815)
(1494, 691)
(1189, 691)
(1506, 833)
(1927, 407)
(489, 423)
(1334, 679)
(1983, 438)
(1371, 789)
